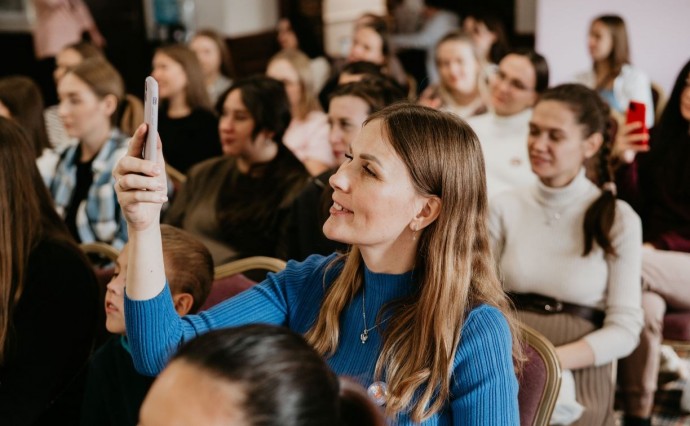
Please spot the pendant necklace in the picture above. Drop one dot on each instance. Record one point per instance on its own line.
(550, 216)
(365, 333)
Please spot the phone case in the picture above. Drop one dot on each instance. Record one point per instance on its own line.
(637, 112)
(151, 118)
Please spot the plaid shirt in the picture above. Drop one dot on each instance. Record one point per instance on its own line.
(99, 217)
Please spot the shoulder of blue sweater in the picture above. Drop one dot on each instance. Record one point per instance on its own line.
(314, 265)
(484, 329)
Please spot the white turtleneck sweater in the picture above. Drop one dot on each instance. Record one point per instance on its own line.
(504, 143)
(538, 241)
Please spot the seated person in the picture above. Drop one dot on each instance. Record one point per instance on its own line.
(568, 251)
(49, 308)
(461, 86)
(254, 374)
(237, 204)
(91, 95)
(612, 75)
(307, 134)
(656, 184)
(439, 21)
(521, 76)
(350, 106)
(21, 101)
(214, 59)
(186, 121)
(114, 390)
(422, 246)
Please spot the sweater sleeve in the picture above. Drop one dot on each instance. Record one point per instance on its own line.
(484, 387)
(155, 331)
(623, 322)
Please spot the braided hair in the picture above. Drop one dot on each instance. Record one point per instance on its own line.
(594, 115)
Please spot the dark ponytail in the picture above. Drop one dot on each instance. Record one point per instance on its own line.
(601, 213)
(594, 114)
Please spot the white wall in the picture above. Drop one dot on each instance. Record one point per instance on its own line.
(658, 30)
(237, 17)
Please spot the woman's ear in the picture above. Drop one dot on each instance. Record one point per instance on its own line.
(592, 144)
(109, 103)
(428, 213)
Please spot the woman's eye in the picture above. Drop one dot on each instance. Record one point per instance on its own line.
(349, 157)
(368, 171)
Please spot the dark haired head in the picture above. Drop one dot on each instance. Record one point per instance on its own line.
(671, 140)
(307, 40)
(22, 97)
(493, 23)
(266, 100)
(377, 92)
(362, 67)
(541, 67)
(592, 113)
(285, 382)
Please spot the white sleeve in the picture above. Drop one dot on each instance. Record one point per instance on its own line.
(623, 322)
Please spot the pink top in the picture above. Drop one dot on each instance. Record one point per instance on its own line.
(58, 24)
(308, 138)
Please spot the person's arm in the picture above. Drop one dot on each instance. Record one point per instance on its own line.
(620, 334)
(484, 387)
(427, 37)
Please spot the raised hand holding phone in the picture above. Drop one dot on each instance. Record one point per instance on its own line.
(151, 118)
(633, 136)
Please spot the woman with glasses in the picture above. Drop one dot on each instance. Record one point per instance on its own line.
(514, 89)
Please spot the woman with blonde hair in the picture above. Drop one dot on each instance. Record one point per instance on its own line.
(414, 311)
(185, 120)
(461, 76)
(91, 95)
(307, 135)
(48, 296)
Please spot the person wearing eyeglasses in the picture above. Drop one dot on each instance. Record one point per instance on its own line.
(521, 76)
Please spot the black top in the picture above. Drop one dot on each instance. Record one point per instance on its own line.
(189, 140)
(81, 191)
(55, 322)
(114, 389)
(308, 213)
(239, 214)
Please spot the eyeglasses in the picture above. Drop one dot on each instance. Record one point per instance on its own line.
(512, 83)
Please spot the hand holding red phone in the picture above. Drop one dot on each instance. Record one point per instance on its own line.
(633, 136)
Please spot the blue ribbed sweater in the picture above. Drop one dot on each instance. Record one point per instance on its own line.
(483, 384)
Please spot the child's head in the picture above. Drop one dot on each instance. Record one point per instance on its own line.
(188, 269)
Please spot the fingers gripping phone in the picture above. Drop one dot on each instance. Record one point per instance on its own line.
(637, 112)
(151, 118)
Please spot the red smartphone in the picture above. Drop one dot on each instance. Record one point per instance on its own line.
(637, 112)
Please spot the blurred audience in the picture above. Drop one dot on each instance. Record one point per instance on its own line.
(214, 58)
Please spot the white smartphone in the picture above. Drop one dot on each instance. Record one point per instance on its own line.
(151, 118)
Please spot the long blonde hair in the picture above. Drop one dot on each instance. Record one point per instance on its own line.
(103, 79)
(301, 63)
(454, 269)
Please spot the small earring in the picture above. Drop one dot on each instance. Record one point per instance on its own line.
(414, 233)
